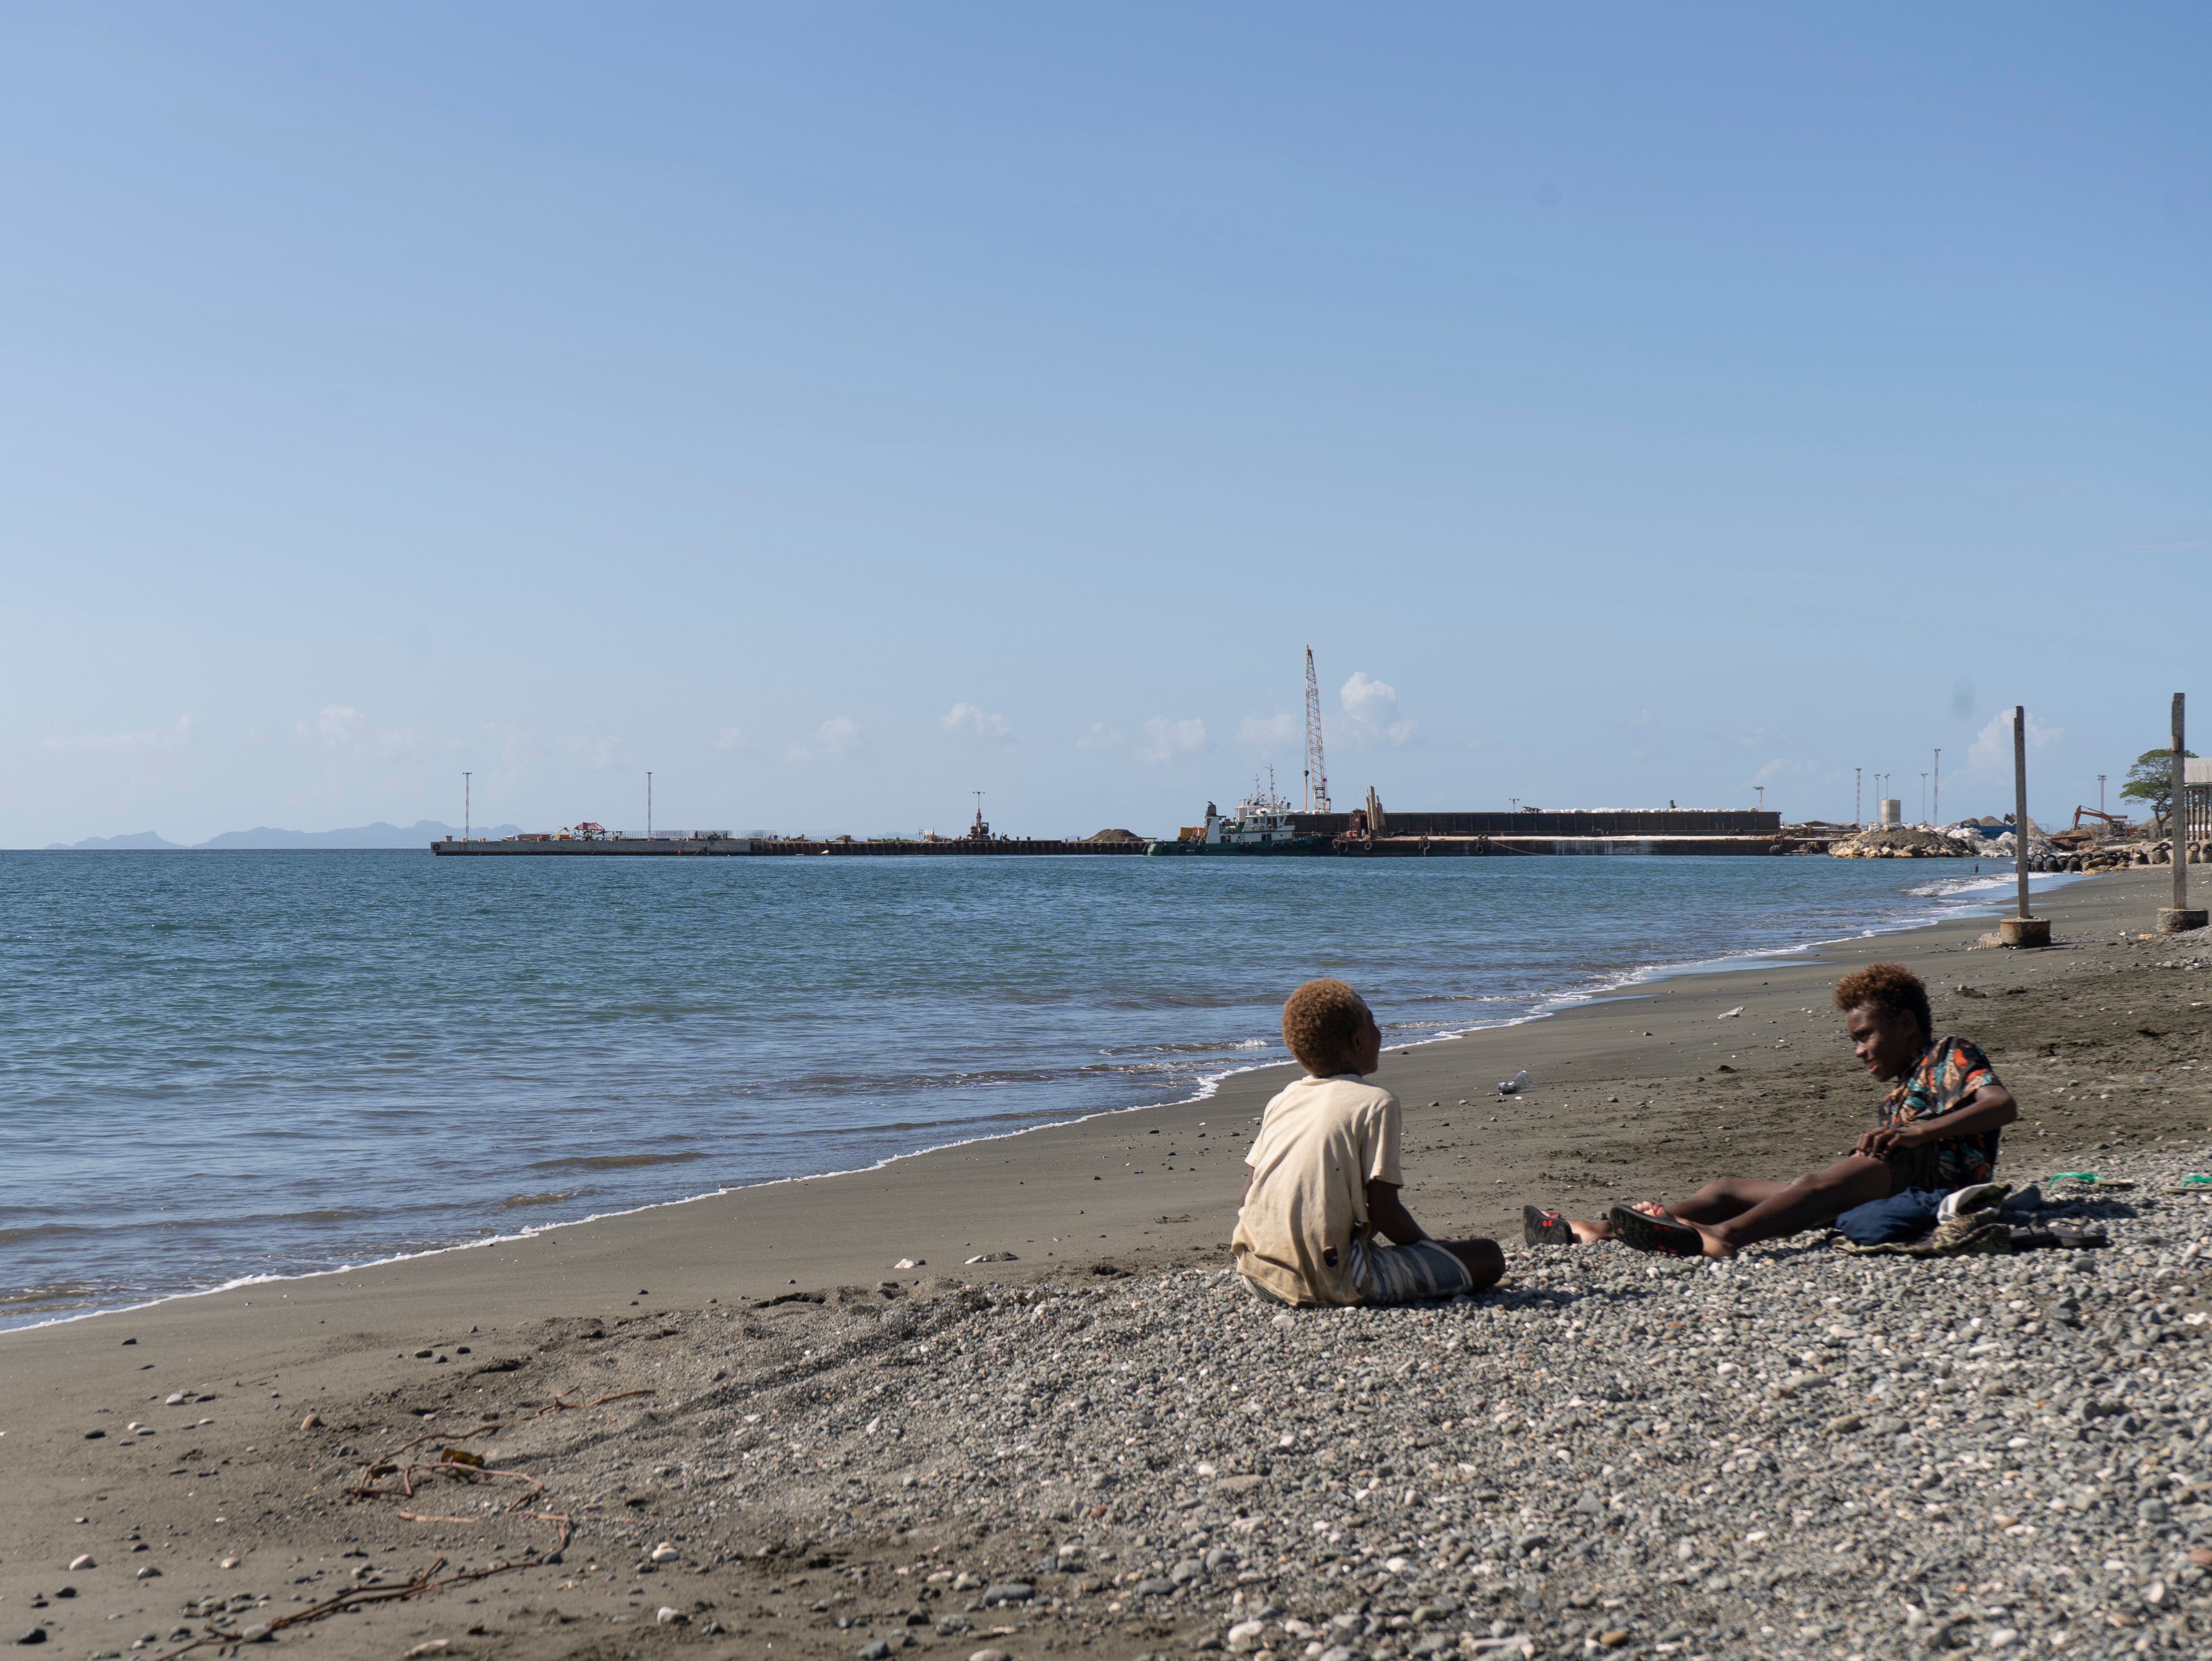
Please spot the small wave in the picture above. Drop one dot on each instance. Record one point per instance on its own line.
(514, 1202)
(615, 1161)
(1944, 887)
(46, 1297)
(40, 1231)
(1183, 1049)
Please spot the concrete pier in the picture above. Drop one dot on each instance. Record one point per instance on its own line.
(1405, 836)
(728, 847)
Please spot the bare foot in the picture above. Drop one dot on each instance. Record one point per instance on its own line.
(1590, 1233)
(1715, 1246)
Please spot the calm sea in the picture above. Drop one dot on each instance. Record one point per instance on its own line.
(220, 1065)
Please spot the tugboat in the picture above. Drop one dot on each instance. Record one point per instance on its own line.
(1262, 824)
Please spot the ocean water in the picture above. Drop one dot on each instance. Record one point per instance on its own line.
(222, 1065)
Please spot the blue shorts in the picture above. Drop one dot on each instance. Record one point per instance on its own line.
(1905, 1216)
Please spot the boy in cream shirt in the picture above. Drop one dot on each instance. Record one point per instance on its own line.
(1322, 1177)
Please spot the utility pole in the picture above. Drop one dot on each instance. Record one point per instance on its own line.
(2177, 916)
(2100, 793)
(465, 806)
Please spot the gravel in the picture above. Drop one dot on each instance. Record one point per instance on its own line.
(1800, 1453)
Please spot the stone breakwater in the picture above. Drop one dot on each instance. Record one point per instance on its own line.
(1911, 843)
(1800, 1453)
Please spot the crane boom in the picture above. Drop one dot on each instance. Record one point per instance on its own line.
(1317, 767)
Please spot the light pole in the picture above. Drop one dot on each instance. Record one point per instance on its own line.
(2100, 793)
(465, 806)
(1762, 796)
(1939, 785)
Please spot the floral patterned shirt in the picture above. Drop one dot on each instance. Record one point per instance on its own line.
(1947, 1072)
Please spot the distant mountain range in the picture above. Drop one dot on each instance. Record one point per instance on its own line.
(421, 834)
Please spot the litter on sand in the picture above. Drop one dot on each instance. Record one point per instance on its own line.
(1726, 1013)
(1514, 1085)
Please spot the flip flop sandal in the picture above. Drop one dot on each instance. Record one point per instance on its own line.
(1645, 1232)
(2057, 1239)
(1545, 1227)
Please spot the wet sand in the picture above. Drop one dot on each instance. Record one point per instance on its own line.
(1636, 1096)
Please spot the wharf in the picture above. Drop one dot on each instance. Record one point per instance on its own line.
(1416, 836)
(757, 846)
(1395, 847)
(1693, 823)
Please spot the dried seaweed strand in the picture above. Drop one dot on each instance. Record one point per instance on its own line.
(422, 1583)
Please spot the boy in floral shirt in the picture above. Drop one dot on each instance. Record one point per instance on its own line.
(1939, 1131)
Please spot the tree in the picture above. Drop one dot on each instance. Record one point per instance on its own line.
(2151, 780)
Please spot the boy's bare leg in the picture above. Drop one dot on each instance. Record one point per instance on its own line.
(1716, 1202)
(1483, 1260)
(1809, 1202)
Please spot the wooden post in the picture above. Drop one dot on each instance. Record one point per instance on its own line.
(2021, 930)
(2020, 799)
(2177, 917)
(2177, 818)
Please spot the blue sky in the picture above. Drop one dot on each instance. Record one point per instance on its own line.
(837, 409)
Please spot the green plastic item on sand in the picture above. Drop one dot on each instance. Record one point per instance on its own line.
(2072, 1177)
(2193, 1180)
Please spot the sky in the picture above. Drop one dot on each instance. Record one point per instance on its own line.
(837, 410)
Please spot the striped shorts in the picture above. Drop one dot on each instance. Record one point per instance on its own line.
(1394, 1275)
(1407, 1274)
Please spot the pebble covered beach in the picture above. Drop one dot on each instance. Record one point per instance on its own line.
(1800, 1452)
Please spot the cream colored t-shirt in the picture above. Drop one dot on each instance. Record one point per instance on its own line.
(1320, 1142)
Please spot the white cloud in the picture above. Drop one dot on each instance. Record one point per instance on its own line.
(179, 737)
(518, 748)
(839, 735)
(967, 718)
(730, 738)
(1265, 732)
(1098, 736)
(1373, 705)
(1991, 755)
(341, 734)
(595, 752)
(1165, 739)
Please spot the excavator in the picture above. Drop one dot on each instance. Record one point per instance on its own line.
(2115, 820)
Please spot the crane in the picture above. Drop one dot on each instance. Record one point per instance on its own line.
(1316, 770)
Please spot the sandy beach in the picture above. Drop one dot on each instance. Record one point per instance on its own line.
(261, 1404)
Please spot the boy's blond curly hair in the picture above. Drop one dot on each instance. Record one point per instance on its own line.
(1320, 1020)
